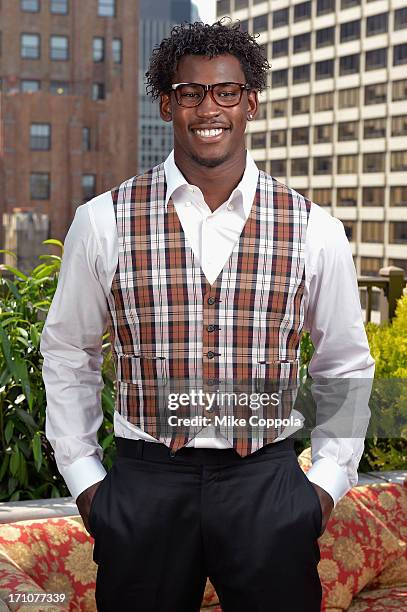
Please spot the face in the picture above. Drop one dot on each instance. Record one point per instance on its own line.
(195, 147)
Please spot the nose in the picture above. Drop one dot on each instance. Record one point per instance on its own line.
(208, 107)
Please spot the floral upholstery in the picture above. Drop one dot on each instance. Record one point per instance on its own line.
(381, 600)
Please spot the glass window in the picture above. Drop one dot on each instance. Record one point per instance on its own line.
(302, 11)
(279, 108)
(278, 138)
(39, 186)
(398, 196)
(280, 18)
(280, 47)
(350, 30)
(399, 90)
(377, 58)
(377, 24)
(107, 8)
(399, 125)
(398, 232)
(373, 162)
(323, 133)
(244, 25)
(370, 266)
(98, 49)
(30, 6)
(399, 263)
(400, 18)
(278, 167)
(262, 111)
(30, 46)
(346, 196)
(259, 140)
(300, 104)
(86, 139)
(300, 136)
(398, 161)
(324, 101)
(59, 7)
(299, 166)
(240, 4)
(348, 3)
(325, 6)
(325, 37)
(88, 186)
(347, 164)
(59, 49)
(373, 196)
(302, 42)
(399, 54)
(349, 98)
(323, 197)
(324, 69)
(260, 23)
(322, 165)
(59, 87)
(374, 128)
(40, 136)
(349, 64)
(222, 7)
(98, 91)
(376, 94)
(301, 74)
(30, 85)
(117, 50)
(348, 130)
(279, 78)
(350, 228)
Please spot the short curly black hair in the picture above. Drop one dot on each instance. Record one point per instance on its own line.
(211, 40)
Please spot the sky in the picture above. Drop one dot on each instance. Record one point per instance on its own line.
(207, 10)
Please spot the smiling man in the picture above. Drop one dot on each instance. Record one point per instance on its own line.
(203, 267)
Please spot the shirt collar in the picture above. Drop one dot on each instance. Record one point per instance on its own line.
(247, 186)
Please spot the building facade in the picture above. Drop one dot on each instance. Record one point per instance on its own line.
(68, 103)
(333, 122)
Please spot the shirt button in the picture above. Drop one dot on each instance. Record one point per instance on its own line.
(172, 454)
(187, 204)
(210, 354)
(210, 328)
(191, 188)
(229, 206)
(211, 300)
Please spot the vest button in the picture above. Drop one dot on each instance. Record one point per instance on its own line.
(211, 300)
(210, 354)
(172, 454)
(211, 328)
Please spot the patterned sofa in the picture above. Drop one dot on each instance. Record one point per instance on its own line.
(363, 565)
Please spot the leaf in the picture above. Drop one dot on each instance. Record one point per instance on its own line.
(16, 272)
(53, 241)
(13, 288)
(36, 445)
(34, 336)
(8, 252)
(8, 431)
(107, 441)
(15, 461)
(5, 343)
(26, 418)
(4, 466)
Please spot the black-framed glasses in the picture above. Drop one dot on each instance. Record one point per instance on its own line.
(224, 94)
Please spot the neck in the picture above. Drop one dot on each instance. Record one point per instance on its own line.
(215, 183)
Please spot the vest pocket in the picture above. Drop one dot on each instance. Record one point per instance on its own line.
(147, 370)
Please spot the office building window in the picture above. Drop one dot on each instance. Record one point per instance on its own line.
(398, 232)
(261, 111)
(39, 186)
(348, 98)
(300, 136)
(374, 128)
(259, 140)
(348, 3)
(377, 58)
(323, 197)
(399, 54)
(302, 11)
(377, 24)
(376, 94)
(88, 186)
(399, 125)
(322, 165)
(347, 164)
(323, 133)
(346, 196)
(279, 78)
(278, 167)
(399, 263)
(86, 139)
(40, 136)
(349, 64)
(59, 7)
(264, 50)
(222, 7)
(370, 266)
(302, 42)
(30, 85)
(324, 101)
(324, 69)
(300, 104)
(117, 50)
(325, 37)
(279, 108)
(373, 196)
(348, 130)
(30, 46)
(30, 6)
(373, 162)
(280, 18)
(107, 8)
(299, 167)
(398, 161)
(244, 25)
(350, 228)
(399, 90)
(278, 138)
(325, 6)
(98, 91)
(398, 196)
(61, 88)
(260, 23)
(350, 30)
(400, 18)
(301, 74)
(280, 47)
(59, 48)
(98, 49)
(241, 4)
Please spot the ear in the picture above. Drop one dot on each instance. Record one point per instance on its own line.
(165, 107)
(252, 103)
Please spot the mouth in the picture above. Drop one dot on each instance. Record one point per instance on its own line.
(210, 135)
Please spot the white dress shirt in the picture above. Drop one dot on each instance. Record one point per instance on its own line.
(71, 340)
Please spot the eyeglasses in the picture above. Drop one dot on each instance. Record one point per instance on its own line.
(224, 94)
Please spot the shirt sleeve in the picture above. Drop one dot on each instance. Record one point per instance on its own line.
(71, 344)
(334, 319)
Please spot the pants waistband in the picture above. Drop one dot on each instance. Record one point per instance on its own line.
(156, 451)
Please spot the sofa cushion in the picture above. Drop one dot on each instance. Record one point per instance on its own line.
(385, 599)
(14, 582)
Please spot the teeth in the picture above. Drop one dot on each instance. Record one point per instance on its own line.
(209, 133)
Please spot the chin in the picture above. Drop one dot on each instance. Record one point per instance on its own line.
(209, 162)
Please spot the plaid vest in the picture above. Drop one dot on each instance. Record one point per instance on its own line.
(167, 323)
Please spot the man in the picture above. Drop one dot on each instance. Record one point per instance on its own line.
(201, 267)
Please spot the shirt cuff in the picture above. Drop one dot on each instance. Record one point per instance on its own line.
(83, 473)
(332, 478)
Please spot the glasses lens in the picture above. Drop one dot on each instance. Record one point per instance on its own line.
(227, 94)
(190, 95)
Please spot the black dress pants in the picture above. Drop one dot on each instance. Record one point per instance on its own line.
(162, 523)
